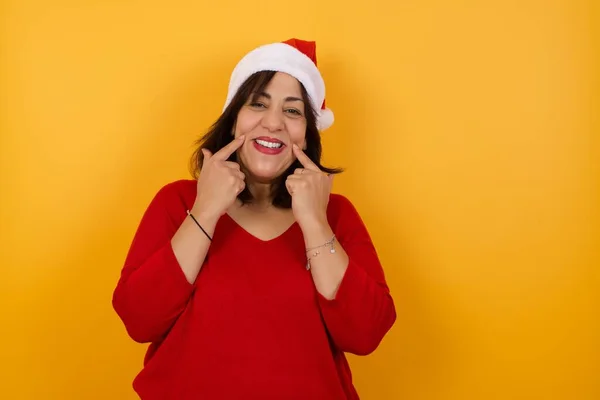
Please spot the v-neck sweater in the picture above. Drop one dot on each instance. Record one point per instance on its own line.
(252, 325)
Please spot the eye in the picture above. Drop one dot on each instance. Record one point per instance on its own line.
(257, 104)
(293, 111)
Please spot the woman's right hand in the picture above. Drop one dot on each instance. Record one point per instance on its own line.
(220, 182)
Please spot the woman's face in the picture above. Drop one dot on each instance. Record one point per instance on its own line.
(272, 123)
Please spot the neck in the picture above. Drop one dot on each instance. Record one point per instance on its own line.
(261, 192)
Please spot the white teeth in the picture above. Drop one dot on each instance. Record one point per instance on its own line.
(270, 145)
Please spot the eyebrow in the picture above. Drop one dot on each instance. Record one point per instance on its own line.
(268, 96)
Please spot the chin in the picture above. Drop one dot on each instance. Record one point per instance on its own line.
(265, 172)
(264, 176)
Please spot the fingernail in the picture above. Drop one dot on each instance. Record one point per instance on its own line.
(241, 137)
(295, 146)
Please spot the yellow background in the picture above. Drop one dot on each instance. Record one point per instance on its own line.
(469, 130)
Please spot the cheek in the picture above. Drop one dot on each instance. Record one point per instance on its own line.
(298, 134)
(246, 121)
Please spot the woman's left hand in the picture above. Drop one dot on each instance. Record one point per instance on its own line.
(310, 189)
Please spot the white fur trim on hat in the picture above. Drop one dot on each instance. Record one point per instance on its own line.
(282, 57)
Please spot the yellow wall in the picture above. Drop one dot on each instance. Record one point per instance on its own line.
(483, 203)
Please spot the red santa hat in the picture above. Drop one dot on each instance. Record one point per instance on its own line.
(295, 57)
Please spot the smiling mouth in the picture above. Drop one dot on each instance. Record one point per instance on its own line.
(269, 145)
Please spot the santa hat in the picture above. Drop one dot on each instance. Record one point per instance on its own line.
(295, 57)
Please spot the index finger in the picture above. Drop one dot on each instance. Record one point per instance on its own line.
(229, 149)
(304, 160)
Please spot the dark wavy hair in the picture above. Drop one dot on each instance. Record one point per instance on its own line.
(220, 134)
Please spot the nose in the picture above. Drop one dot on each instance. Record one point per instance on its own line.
(273, 119)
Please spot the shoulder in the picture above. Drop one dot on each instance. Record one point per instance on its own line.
(341, 206)
(178, 186)
(344, 218)
(339, 201)
(178, 191)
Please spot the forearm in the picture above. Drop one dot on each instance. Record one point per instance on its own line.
(190, 244)
(161, 266)
(361, 314)
(327, 268)
(152, 294)
(352, 292)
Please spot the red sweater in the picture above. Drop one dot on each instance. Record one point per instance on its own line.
(252, 326)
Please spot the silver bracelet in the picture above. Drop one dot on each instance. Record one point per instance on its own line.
(316, 252)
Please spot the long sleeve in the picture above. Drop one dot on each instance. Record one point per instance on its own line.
(363, 310)
(152, 290)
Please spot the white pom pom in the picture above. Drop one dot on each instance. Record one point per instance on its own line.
(325, 119)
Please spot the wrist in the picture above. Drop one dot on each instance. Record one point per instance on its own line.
(206, 218)
(316, 232)
(314, 222)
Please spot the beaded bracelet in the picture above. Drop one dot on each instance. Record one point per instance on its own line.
(316, 252)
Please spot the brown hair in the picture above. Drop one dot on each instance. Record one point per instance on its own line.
(220, 134)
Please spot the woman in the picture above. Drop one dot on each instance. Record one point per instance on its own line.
(253, 280)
